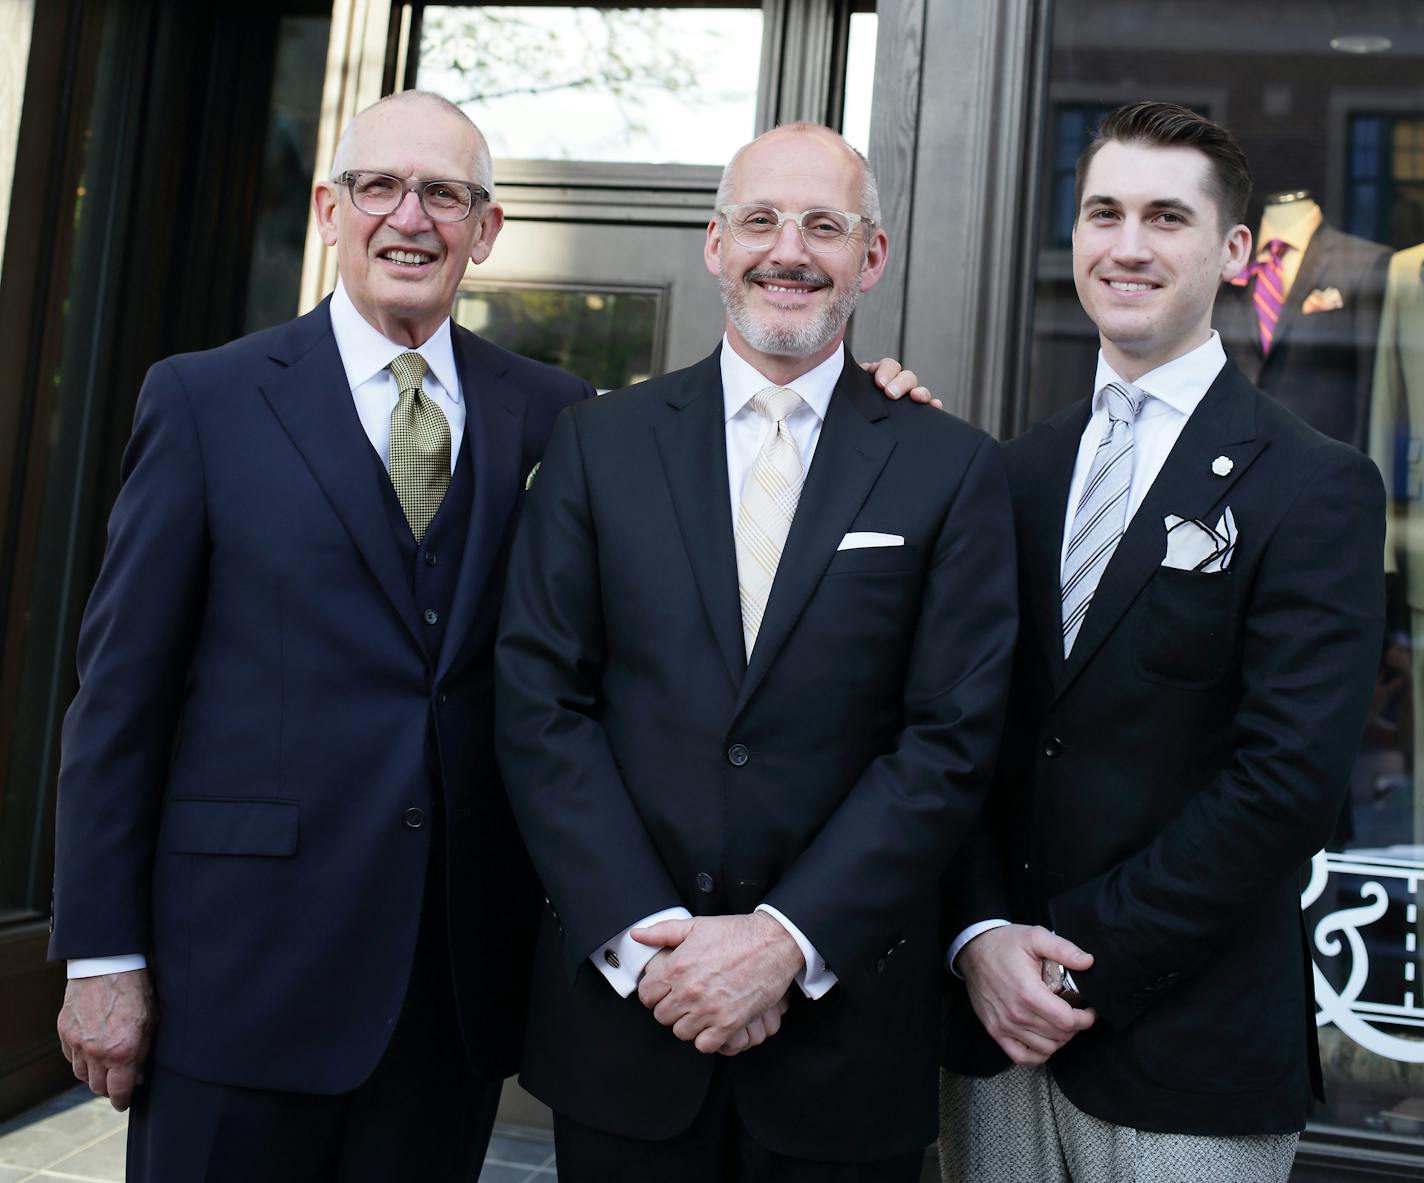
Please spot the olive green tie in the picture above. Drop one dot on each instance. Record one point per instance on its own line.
(420, 446)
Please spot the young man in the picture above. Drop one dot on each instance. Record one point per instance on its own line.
(752, 669)
(1202, 616)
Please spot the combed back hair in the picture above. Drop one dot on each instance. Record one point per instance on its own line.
(482, 166)
(869, 190)
(1168, 125)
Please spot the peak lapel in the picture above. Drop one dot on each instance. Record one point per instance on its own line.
(1312, 266)
(312, 400)
(692, 441)
(1224, 424)
(494, 427)
(849, 456)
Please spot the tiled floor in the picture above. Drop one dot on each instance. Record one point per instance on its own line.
(79, 1138)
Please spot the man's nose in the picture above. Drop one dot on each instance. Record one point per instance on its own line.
(788, 245)
(409, 215)
(1131, 243)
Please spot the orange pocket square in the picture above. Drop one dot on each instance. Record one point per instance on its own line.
(1322, 300)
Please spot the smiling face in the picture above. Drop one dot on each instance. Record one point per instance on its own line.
(787, 306)
(1149, 253)
(401, 269)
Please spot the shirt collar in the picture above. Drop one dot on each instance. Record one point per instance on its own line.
(365, 352)
(742, 381)
(1182, 383)
(1297, 235)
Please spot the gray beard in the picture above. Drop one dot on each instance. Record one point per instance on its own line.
(799, 340)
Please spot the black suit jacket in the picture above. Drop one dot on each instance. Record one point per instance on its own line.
(257, 714)
(1160, 791)
(832, 777)
(1321, 365)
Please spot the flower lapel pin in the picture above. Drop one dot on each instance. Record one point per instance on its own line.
(529, 480)
(1222, 466)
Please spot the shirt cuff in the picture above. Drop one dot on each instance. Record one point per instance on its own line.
(965, 937)
(815, 977)
(94, 967)
(622, 960)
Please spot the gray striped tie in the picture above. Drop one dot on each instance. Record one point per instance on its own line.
(1101, 517)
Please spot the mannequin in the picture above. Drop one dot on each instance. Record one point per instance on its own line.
(1321, 358)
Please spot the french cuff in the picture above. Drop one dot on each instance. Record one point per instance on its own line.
(622, 960)
(94, 967)
(815, 977)
(965, 937)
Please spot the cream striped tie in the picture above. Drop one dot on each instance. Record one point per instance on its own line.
(768, 504)
(420, 446)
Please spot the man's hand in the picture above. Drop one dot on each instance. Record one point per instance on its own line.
(896, 382)
(105, 1029)
(724, 973)
(1004, 970)
(758, 1031)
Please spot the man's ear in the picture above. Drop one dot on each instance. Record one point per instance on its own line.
(324, 201)
(712, 247)
(491, 223)
(877, 253)
(1238, 251)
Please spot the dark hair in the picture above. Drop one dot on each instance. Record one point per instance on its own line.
(1167, 125)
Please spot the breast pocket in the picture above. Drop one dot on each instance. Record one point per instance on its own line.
(1188, 628)
(874, 559)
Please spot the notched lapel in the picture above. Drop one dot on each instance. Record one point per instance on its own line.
(312, 400)
(692, 441)
(1224, 424)
(848, 460)
(494, 425)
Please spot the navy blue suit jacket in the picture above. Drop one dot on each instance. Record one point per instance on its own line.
(257, 714)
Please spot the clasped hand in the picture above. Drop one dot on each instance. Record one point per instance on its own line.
(719, 982)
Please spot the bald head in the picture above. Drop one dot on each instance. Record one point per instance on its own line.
(866, 187)
(469, 138)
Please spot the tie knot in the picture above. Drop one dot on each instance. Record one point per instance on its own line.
(1123, 400)
(776, 402)
(409, 369)
(1277, 247)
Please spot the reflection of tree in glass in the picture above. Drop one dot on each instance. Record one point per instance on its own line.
(506, 52)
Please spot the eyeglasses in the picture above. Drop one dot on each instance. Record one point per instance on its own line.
(381, 193)
(824, 231)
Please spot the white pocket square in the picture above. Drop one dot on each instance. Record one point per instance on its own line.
(1194, 546)
(859, 539)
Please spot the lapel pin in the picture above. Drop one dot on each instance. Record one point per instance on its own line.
(529, 480)
(1222, 466)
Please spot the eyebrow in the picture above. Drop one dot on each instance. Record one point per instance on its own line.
(1161, 203)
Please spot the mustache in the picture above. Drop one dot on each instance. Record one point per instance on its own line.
(801, 275)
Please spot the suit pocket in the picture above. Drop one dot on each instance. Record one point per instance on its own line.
(874, 559)
(1187, 631)
(231, 825)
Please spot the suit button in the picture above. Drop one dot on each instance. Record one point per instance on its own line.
(432, 616)
(738, 754)
(880, 966)
(442, 698)
(611, 957)
(430, 558)
(1052, 747)
(414, 818)
(705, 883)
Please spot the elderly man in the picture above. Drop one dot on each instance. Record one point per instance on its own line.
(751, 671)
(279, 801)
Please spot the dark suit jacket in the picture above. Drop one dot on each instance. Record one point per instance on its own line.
(833, 777)
(256, 714)
(1320, 366)
(1159, 792)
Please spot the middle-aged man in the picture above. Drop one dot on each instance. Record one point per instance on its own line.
(278, 799)
(1202, 605)
(751, 670)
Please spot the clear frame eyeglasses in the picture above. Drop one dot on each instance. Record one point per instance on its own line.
(824, 231)
(380, 193)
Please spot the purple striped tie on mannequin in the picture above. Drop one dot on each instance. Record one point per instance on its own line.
(1268, 292)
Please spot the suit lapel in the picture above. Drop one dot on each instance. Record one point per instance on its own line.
(1307, 279)
(1045, 502)
(849, 457)
(494, 426)
(312, 399)
(1223, 424)
(692, 441)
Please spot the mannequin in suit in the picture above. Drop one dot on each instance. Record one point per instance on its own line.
(1320, 359)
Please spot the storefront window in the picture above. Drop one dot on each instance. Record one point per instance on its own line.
(1327, 103)
(606, 83)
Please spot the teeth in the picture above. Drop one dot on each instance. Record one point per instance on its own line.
(406, 257)
(1129, 287)
(771, 287)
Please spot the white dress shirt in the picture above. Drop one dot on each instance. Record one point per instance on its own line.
(1173, 392)
(622, 959)
(366, 356)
